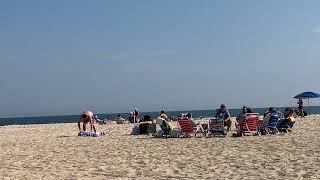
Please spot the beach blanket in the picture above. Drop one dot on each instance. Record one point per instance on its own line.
(92, 134)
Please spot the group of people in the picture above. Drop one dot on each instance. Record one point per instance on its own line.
(88, 117)
(285, 122)
(221, 113)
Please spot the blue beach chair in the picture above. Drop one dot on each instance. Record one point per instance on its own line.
(274, 119)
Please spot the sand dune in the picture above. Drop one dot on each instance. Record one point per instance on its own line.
(54, 152)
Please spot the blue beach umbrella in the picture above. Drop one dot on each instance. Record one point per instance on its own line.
(307, 95)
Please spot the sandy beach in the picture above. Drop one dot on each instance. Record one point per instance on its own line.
(55, 152)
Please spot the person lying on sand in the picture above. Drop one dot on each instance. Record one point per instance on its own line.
(85, 118)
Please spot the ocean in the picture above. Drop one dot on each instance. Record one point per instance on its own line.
(75, 118)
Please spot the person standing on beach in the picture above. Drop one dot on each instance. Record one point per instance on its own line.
(136, 114)
(223, 113)
(85, 118)
(300, 107)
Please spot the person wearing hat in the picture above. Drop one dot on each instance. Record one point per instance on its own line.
(223, 113)
(85, 118)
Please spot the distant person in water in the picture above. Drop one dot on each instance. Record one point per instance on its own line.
(86, 117)
(223, 113)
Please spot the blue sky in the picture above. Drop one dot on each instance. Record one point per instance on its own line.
(63, 57)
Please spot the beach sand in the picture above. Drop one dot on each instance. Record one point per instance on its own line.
(55, 152)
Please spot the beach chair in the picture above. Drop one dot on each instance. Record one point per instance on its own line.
(274, 119)
(187, 129)
(216, 128)
(250, 125)
(263, 124)
(166, 129)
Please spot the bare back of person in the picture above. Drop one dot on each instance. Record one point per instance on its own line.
(86, 117)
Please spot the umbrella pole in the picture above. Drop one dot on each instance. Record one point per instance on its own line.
(309, 106)
(134, 118)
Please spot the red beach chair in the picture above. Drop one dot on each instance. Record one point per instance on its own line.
(186, 128)
(251, 124)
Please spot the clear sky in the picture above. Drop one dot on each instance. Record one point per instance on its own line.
(63, 57)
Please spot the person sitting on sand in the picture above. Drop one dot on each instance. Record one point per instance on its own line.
(120, 119)
(223, 113)
(98, 120)
(85, 118)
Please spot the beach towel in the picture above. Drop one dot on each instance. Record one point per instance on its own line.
(92, 134)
